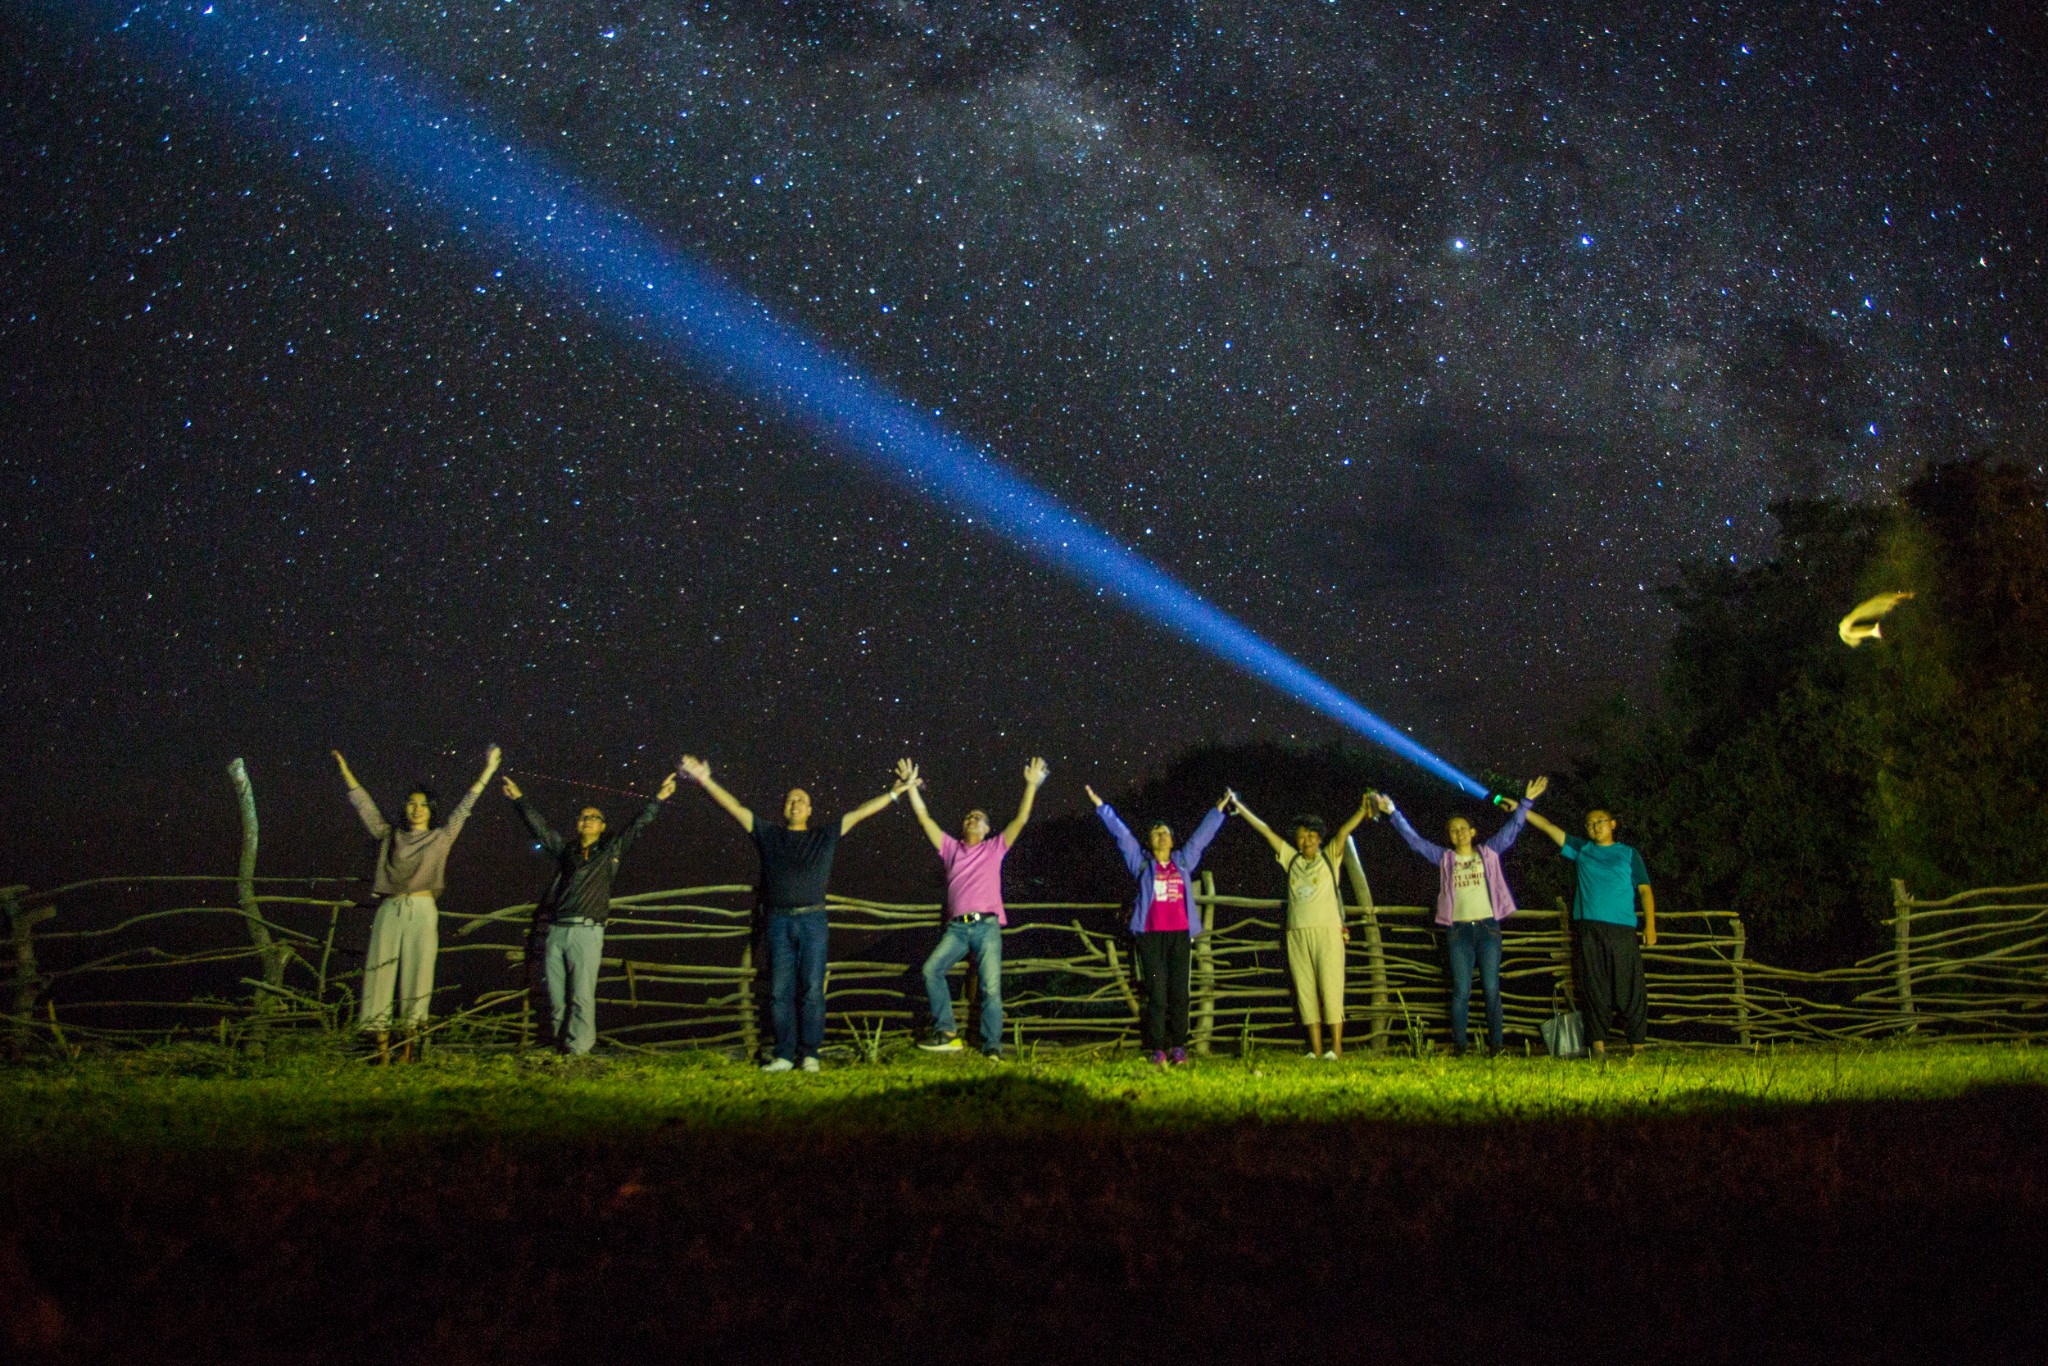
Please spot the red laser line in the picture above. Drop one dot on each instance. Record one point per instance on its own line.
(574, 782)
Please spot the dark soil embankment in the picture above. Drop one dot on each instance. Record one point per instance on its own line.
(1889, 1231)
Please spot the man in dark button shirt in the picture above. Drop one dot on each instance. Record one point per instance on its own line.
(568, 925)
(796, 864)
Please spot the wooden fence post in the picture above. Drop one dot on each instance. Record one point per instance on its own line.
(750, 1015)
(1568, 967)
(27, 982)
(1375, 949)
(1741, 985)
(1902, 951)
(1205, 967)
(268, 950)
(1123, 981)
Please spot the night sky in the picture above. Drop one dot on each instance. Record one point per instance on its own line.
(1427, 340)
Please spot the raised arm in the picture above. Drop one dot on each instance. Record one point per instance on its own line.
(699, 772)
(1433, 852)
(1504, 838)
(1198, 843)
(1281, 848)
(907, 771)
(871, 806)
(366, 807)
(646, 816)
(1366, 810)
(1556, 834)
(459, 817)
(1126, 842)
(535, 822)
(1035, 774)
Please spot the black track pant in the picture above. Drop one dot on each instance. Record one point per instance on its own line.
(1611, 981)
(1163, 967)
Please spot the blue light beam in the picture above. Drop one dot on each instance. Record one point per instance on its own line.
(339, 108)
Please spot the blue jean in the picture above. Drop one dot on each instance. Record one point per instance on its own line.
(575, 952)
(1467, 940)
(983, 940)
(796, 950)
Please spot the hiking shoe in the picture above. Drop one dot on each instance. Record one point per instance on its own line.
(810, 1064)
(1157, 1059)
(779, 1065)
(1177, 1056)
(941, 1043)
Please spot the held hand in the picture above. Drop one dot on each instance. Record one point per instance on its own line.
(1036, 772)
(1510, 805)
(695, 769)
(1225, 802)
(1536, 788)
(668, 788)
(1093, 800)
(1383, 802)
(906, 771)
(512, 790)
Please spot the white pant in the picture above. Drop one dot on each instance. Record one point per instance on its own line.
(403, 941)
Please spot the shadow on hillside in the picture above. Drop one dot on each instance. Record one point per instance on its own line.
(1006, 1100)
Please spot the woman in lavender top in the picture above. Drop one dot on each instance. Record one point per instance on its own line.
(1471, 902)
(1164, 919)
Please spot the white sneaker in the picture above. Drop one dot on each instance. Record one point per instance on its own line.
(779, 1065)
(810, 1064)
(1311, 1056)
(1330, 1056)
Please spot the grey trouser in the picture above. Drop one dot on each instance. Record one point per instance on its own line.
(575, 952)
(404, 938)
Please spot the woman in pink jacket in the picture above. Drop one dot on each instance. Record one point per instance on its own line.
(1471, 901)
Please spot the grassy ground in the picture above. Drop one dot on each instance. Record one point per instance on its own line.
(201, 1097)
(194, 1204)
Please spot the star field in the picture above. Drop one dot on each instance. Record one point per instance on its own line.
(1426, 339)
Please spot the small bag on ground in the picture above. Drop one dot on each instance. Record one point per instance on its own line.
(1564, 1033)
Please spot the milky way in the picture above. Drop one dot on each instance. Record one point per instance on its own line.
(1427, 340)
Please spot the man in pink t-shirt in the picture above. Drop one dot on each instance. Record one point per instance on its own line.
(974, 910)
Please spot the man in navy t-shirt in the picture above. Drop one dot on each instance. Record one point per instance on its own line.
(1611, 879)
(796, 866)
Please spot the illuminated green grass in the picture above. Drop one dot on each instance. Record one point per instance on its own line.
(201, 1097)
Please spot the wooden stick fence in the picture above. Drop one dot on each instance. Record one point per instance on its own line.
(682, 969)
(680, 972)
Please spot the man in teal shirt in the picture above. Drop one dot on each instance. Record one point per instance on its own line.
(1611, 879)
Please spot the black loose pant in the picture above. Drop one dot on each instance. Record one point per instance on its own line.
(1611, 981)
(1163, 970)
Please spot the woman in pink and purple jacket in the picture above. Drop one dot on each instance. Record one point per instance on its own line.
(1472, 900)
